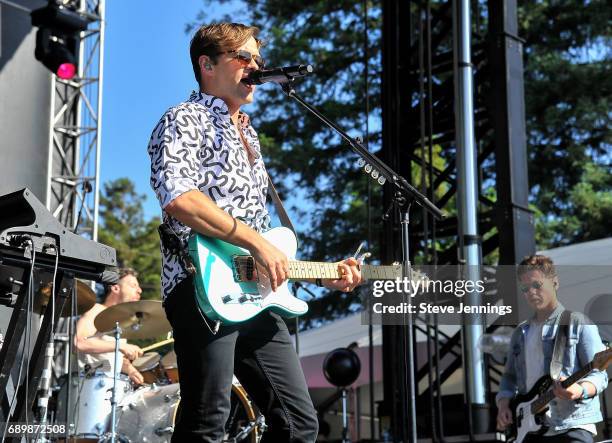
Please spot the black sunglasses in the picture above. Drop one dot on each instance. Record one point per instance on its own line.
(246, 57)
(535, 285)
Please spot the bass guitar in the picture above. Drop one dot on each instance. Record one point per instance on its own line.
(227, 290)
(529, 410)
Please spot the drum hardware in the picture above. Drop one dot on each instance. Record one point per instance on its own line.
(259, 422)
(116, 372)
(168, 430)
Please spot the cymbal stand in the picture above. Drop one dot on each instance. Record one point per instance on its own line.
(116, 371)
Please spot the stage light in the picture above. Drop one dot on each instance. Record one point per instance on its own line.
(54, 54)
(57, 38)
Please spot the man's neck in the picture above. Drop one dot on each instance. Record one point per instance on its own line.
(544, 313)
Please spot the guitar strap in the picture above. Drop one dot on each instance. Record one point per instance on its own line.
(556, 363)
(280, 209)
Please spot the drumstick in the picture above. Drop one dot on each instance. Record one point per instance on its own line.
(158, 345)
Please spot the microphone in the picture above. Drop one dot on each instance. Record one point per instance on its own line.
(278, 75)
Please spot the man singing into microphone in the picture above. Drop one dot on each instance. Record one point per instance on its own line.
(208, 174)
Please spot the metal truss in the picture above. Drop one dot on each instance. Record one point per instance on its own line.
(74, 134)
(419, 133)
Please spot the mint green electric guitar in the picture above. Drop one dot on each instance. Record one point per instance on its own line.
(227, 291)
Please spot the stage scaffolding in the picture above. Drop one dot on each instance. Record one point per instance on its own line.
(422, 116)
(75, 132)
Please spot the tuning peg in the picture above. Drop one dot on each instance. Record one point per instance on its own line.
(361, 259)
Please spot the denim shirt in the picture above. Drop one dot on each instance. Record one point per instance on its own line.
(583, 342)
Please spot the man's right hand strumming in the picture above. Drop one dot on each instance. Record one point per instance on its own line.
(272, 261)
(131, 352)
(504, 414)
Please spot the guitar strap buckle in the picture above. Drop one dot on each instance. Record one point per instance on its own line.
(172, 243)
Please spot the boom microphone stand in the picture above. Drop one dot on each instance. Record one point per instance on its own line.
(404, 195)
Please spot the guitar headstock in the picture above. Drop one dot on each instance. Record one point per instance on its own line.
(602, 359)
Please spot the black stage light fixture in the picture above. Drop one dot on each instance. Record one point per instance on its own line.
(341, 367)
(57, 37)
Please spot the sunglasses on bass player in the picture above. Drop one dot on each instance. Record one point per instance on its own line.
(246, 57)
(535, 285)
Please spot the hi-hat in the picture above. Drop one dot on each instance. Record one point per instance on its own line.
(137, 319)
(85, 298)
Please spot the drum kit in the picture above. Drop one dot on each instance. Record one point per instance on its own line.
(110, 408)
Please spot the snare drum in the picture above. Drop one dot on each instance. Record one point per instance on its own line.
(148, 365)
(90, 403)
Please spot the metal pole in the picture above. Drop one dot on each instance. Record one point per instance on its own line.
(467, 200)
(411, 434)
(51, 145)
(344, 418)
(116, 371)
(101, 11)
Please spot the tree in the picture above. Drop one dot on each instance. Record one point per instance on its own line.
(566, 54)
(124, 228)
(568, 85)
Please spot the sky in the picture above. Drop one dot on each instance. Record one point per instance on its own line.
(146, 70)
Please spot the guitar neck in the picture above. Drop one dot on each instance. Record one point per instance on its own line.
(549, 395)
(300, 270)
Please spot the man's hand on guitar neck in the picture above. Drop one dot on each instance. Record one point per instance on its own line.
(504, 414)
(351, 276)
(575, 391)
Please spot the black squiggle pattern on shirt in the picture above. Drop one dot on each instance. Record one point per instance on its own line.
(195, 147)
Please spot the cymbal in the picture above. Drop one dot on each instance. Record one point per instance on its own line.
(137, 319)
(85, 300)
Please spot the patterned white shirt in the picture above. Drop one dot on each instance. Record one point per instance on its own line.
(196, 146)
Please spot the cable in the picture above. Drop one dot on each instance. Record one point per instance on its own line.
(29, 329)
(26, 340)
(45, 380)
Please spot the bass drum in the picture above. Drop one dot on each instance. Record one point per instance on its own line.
(148, 415)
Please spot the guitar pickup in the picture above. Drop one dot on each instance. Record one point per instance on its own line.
(244, 268)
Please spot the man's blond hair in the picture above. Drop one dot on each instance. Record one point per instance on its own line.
(537, 263)
(212, 39)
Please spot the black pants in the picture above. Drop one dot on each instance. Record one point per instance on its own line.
(571, 436)
(261, 355)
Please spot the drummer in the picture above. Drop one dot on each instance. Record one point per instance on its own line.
(99, 352)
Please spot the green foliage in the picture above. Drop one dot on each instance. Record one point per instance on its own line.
(589, 210)
(123, 227)
(568, 86)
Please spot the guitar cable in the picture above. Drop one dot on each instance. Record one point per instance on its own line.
(215, 328)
